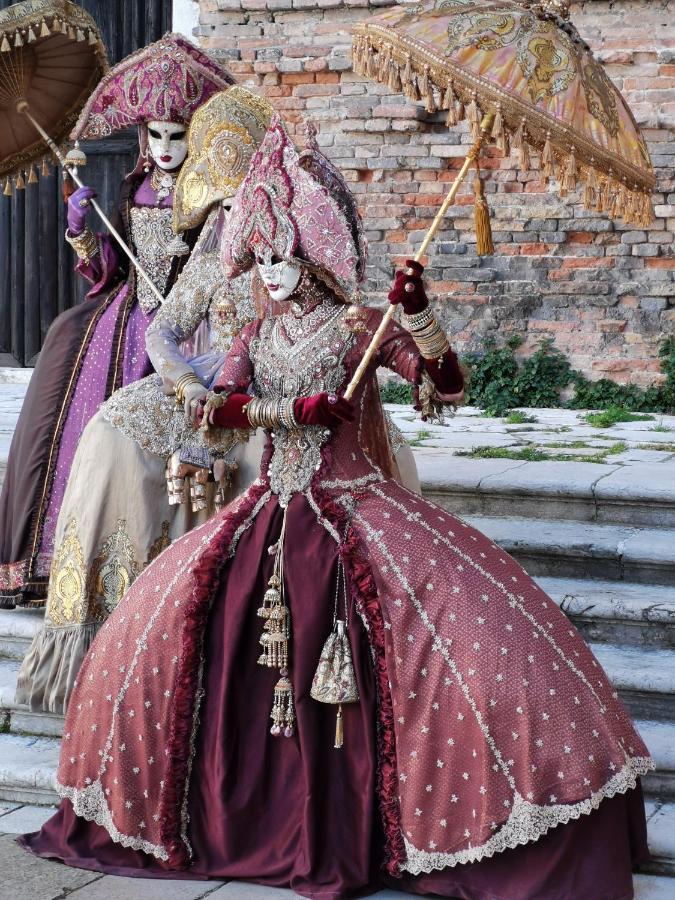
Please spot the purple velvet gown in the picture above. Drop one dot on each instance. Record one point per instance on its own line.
(90, 351)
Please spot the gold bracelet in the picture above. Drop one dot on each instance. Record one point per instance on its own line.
(181, 383)
(84, 244)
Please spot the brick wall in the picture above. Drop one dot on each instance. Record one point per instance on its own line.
(604, 292)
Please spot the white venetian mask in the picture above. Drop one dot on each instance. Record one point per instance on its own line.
(167, 142)
(280, 277)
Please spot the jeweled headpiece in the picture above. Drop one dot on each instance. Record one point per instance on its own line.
(281, 206)
(166, 81)
(224, 134)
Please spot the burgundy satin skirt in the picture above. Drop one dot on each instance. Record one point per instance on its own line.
(296, 812)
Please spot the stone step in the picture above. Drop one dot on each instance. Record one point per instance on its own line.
(614, 612)
(17, 629)
(660, 740)
(584, 549)
(16, 718)
(636, 494)
(28, 768)
(661, 834)
(645, 679)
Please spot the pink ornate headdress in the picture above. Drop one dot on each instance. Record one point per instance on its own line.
(166, 81)
(299, 206)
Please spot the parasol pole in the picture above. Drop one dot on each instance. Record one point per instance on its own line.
(23, 109)
(470, 159)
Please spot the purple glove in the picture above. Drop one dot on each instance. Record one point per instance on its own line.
(78, 209)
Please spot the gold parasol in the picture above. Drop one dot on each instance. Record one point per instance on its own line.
(525, 80)
(51, 59)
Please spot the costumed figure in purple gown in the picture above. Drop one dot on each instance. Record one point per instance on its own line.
(119, 510)
(99, 345)
(333, 682)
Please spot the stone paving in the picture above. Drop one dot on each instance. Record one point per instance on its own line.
(27, 878)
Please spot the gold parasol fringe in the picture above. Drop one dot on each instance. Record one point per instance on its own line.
(19, 183)
(44, 29)
(31, 35)
(5, 46)
(44, 168)
(8, 188)
(32, 175)
(18, 40)
(604, 191)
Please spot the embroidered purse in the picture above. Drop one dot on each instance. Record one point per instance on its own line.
(334, 680)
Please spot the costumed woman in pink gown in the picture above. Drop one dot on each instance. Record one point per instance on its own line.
(334, 683)
(99, 345)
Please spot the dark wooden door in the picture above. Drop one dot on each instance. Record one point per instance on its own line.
(37, 281)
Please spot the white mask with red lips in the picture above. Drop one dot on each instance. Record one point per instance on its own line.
(167, 142)
(279, 277)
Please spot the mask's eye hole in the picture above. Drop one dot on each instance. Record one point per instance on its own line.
(154, 134)
(177, 136)
(276, 259)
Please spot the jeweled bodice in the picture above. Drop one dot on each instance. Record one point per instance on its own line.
(152, 232)
(298, 357)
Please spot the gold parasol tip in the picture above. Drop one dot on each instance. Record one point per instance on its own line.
(22, 105)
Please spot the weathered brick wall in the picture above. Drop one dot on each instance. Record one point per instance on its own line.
(604, 292)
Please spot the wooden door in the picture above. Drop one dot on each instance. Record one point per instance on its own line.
(37, 281)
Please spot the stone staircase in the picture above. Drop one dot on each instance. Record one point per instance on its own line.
(605, 552)
(602, 545)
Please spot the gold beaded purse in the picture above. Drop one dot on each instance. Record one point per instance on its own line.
(334, 680)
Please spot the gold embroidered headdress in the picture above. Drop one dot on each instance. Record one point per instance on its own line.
(223, 136)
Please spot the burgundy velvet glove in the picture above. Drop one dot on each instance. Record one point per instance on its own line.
(446, 373)
(408, 290)
(77, 214)
(323, 409)
(230, 415)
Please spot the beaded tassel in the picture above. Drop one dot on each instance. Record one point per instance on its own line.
(275, 639)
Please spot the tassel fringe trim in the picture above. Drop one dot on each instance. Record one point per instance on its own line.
(603, 191)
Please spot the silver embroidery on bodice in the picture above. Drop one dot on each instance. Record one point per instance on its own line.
(298, 357)
(152, 232)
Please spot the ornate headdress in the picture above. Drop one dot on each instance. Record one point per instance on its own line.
(282, 206)
(166, 81)
(224, 134)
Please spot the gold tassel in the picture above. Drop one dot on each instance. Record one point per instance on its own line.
(92, 38)
(524, 156)
(569, 179)
(71, 33)
(8, 188)
(56, 25)
(44, 168)
(407, 71)
(32, 175)
(19, 184)
(411, 90)
(484, 244)
(589, 188)
(394, 80)
(474, 117)
(5, 45)
(44, 30)
(64, 27)
(547, 159)
(283, 708)
(423, 81)
(339, 729)
(617, 202)
(18, 41)
(31, 35)
(383, 64)
(430, 100)
(80, 34)
(449, 98)
(519, 136)
(498, 124)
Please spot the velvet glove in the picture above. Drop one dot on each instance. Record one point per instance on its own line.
(232, 414)
(77, 214)
(446, 373)
(323, 409)
(408, 290)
